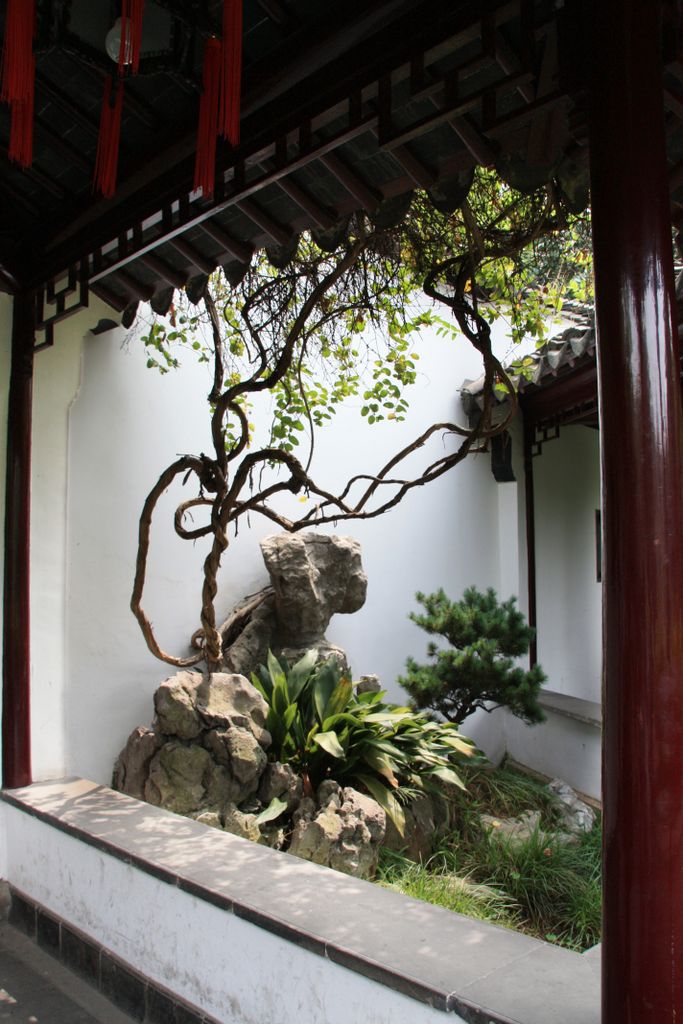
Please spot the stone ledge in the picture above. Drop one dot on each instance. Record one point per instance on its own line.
(483, 973)
(588, 711)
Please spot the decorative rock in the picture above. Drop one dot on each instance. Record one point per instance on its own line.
(368, 684)
(221, 787)
(224, 700)
(250, 649)
(239, 751)
(306, 811)
(132, 766)
(314, 576)
(241, 824)
(513, 830)
(345, 838)
(282, 781)
(313, 840)
(175, 705)
(358, 807)
(329, 792)
(576, 816)
(178, 777)
(208, 817)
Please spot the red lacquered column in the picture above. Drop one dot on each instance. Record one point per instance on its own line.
(16, 669)
(640, 410)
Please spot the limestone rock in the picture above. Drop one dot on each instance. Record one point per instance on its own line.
(576, 816)
(282, 781)
(241, 824)
(178, 777)
(345, 837)
(513, 830)
(329, 792)
(225, 699)
(314, 576)
(241, 753)
(132, 766)
(368, 684)
(175, 705)
(208, 817)
(313, 840)
(250, 649)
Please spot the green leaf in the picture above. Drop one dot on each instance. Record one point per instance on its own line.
(300, 673)
(324, 686)
(448, 775)
(329, 741)
(275, 669)
(272, 811)
(339, 698)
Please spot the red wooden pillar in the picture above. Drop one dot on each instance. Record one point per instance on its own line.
(16, 669)
(641, 433)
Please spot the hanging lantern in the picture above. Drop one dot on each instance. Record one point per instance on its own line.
(18, 77)
(205, 160)
(107, 160)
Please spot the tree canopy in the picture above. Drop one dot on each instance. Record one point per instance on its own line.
(306, 332)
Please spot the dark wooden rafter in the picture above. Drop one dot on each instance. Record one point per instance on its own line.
(277, 232)
(232, 247)
(193, 255)
(419, 173)
(164, 270)
(436, 42)
(320, 216)
(366, 196)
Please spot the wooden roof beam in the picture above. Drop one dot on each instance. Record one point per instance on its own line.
(366, 196)
(196, 258)
(307, 203)
(232, 246)
(164, 270)
(279, 234)
(477, 143)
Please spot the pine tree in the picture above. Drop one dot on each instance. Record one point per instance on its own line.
(478, 669)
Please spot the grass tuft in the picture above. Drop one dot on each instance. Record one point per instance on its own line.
(540, 886)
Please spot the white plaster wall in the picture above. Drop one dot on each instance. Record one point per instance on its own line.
(128, 423)
(568, 596)
(56, 381)
(561, 748)
(228, 967)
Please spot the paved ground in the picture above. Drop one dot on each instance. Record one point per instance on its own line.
(36, 989)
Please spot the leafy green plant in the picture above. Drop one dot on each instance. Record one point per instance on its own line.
(324, 728)
(478, 669)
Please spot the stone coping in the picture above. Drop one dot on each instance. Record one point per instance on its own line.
(588, 711)
(484, 973)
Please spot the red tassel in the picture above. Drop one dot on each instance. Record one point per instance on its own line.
(18, 63)
(21, 130)
(231, 71)
(131, 35)
(205, 163)
(106, 163)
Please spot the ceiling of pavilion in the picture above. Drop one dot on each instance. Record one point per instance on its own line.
(345, 106)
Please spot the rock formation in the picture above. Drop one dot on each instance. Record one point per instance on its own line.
(313, 577)
(206, 757)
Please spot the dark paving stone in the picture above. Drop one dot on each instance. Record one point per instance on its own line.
(34, 984)
(80, 956)
(22, 915)
(125, 989)
(47, 933)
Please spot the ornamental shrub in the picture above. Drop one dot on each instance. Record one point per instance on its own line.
(325, 729)
(478, 668)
